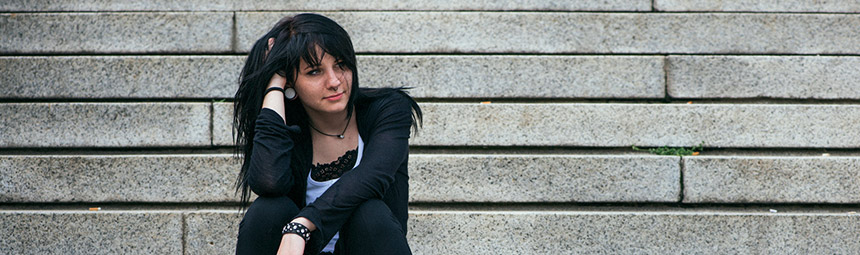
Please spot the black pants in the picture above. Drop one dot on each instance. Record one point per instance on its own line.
(371, 229)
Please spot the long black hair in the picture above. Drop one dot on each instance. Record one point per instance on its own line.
(297, 39)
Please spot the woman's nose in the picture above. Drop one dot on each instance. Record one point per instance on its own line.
(334, 79)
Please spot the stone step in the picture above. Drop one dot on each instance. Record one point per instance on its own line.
(433, 178)
(431, 76)
(632, 233)
(39, 125)
(623, 125)
(104, 124)
(268, 5)
(456, 232)
(151, 32)
(837, 6)
(77, 232)
(441, 76)
(798, 77)
(437, 178)
(849, 6)
(775, 179)
(442, 32)
(552, 32)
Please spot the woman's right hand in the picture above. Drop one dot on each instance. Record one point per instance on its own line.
(277, 79)
(275, 100)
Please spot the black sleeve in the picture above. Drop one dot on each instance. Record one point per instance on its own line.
(386, 149)
(269, 168)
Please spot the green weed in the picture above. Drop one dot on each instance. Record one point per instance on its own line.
(674, 151)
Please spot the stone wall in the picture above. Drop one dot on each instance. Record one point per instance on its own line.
(126, 106)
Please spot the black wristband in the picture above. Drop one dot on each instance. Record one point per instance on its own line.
(298, 229)
(273, 88)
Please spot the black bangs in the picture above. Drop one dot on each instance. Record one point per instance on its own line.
(329, 44)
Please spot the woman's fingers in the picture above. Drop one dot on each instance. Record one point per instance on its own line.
(271, 43)
(278, 80)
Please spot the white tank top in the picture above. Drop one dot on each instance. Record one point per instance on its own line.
(316, 189)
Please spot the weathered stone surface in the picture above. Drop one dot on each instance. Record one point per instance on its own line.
(755, 179)
(764, 76)
(543, 178)
(116, 32)
(631, 233)
(80, 232)
(104, 124)
(622, 125)
(212, 232)
(120, 76)
(518, 76)
(553, 32)
(431, 76)
(116, 5)
(222, 127)
(267, 5)
(119, 178)
(758, 5)
(432, 232)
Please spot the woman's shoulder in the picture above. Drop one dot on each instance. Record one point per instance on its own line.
(384, 98)
(388, 102)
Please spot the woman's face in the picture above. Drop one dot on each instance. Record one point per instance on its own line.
(324, 89)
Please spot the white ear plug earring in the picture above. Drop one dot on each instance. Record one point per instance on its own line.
(290, 93)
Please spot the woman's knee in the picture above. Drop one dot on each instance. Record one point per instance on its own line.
(373, 216)
(267, 213)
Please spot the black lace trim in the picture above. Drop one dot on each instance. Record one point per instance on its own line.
(335, 169)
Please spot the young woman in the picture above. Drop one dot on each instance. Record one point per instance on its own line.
(327, 159)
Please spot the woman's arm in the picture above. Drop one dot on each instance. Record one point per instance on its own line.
(268, 171)
(387, 148)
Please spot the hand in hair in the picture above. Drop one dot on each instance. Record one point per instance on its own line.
(277, 79)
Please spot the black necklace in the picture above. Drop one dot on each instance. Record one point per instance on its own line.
(338, 136)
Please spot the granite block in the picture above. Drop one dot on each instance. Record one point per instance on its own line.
(774, 179)
(222, 127)
(644, 125)
(117, 5)
(552, 232)
(557, 32)
(118, 178)
(120, 76)
(764, 77)
(543, 178)
(517, 76)
(267, 5)
(848, 6)
(72, 232)
(104, 124)
(212, 232)
(150, 32)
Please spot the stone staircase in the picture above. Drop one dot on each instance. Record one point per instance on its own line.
(124, 107)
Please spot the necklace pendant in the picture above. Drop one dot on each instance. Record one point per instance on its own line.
(340, 136)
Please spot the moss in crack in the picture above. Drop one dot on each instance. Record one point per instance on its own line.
(674, 151)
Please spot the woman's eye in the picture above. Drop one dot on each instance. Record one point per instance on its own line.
(341, 65)
(314, 72)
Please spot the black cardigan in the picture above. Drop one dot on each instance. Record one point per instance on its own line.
(281, 156)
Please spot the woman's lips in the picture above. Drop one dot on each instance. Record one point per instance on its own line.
(334, 97)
